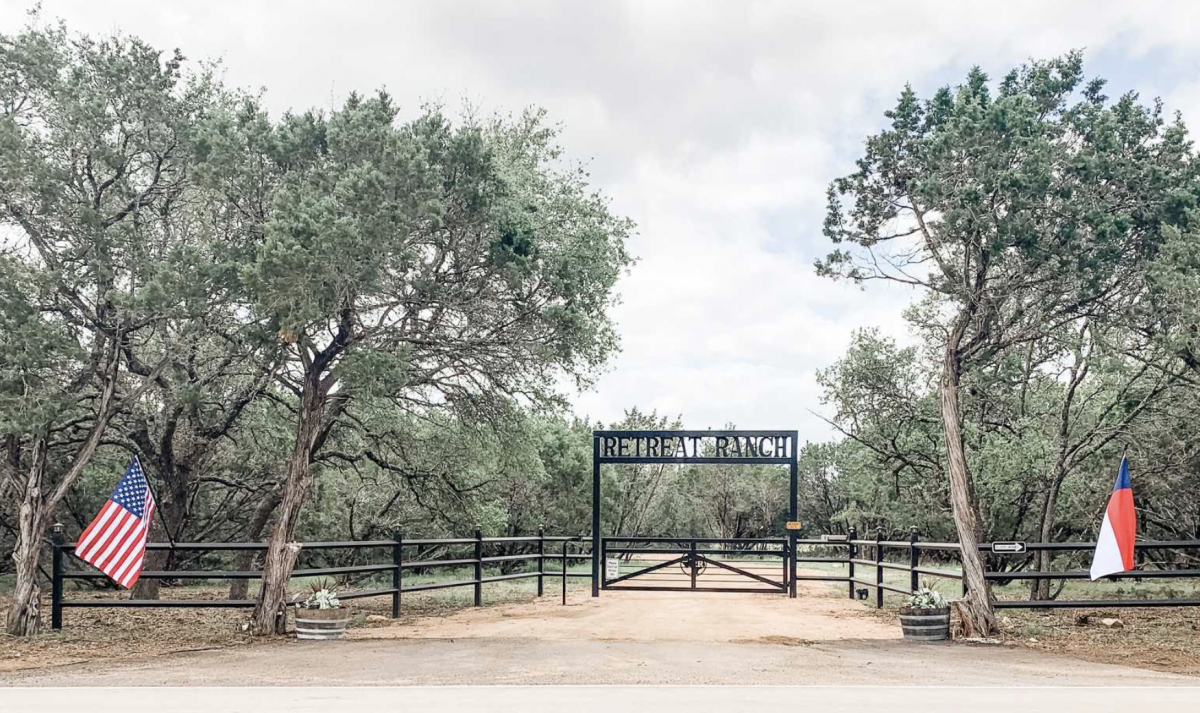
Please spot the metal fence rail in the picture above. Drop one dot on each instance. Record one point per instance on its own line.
(870, 555)
(1140, 573)
(866, 563)
(397, 565)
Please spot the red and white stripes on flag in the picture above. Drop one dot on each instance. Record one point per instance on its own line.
(115, 542)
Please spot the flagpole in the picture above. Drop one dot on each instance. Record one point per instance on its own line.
(157, 509)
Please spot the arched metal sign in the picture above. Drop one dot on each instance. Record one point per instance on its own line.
(711, 447)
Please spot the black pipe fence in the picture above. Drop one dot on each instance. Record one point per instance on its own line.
(871, 555)
(415, 556)
(866, 561)
(1143, 571)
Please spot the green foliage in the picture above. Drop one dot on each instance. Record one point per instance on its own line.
(441, 278)
(1021, 207)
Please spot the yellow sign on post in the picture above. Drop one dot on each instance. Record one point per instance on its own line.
(793, 525)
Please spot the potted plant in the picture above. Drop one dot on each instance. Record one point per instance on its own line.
(926, 616)
(321, 615)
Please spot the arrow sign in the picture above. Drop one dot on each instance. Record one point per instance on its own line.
(1008, 548)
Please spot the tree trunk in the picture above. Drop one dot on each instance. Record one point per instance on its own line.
(978, 617)
(240, 588)
(24, 616)
(1040, 588)
(270, 614)
(36, 512)
(175, 517)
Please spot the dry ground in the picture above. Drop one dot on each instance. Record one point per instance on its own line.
(625, 637)
(656, 617)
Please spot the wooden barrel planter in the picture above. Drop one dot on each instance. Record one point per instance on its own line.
(926, 624)
(321, 623)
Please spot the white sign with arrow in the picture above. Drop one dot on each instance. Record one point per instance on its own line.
(1008, 548)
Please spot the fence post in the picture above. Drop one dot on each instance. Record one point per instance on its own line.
(914, 559)
(566, 544)
(963, 570)
(789, 562)
(850, 559)
(541, 555)
(397, 562)
(878, 568)
(478, 566)
(603, 561)
(56, 581)
(692, 562)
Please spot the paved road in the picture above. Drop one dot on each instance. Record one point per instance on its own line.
(672, 699)
(470, 661)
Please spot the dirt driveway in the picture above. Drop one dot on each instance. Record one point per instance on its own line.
(625, 638)
(656, 617)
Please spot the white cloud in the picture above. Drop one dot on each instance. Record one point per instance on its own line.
(715, 125)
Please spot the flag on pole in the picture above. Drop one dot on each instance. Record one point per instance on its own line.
(115, 542)
(1114, 547)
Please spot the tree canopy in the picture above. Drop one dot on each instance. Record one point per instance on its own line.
(333, 324)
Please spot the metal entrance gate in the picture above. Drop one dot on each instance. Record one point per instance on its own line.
(701, 564)
(698, 447)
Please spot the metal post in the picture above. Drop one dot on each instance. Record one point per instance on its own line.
(597, 572)
(793, 498)
(786, 561)
(566, 544)
(603, 560)
(478, 566)
(693, 563)
(397, 561)
(56, 581)
(878, 568)
(914, 559)
(541, 555)
(963, 570)
(850, 558)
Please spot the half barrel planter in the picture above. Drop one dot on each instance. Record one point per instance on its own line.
(926, 624)
(321, 624)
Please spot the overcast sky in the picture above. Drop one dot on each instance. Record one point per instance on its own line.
(715, 126)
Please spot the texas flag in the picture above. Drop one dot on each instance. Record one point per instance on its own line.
(1114, 547)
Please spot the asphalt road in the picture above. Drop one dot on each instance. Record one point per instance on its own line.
(589, 699)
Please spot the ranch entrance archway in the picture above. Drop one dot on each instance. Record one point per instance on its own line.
(699, 447)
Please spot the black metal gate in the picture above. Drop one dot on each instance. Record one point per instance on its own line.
(698, 447)
(701, 564)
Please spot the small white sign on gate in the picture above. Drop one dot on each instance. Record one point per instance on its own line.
(612, 568)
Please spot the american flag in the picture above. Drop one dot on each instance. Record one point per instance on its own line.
(115, 542)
